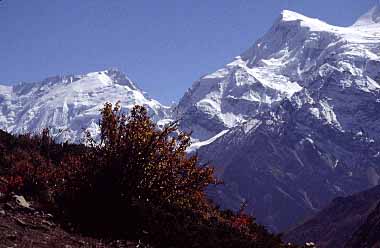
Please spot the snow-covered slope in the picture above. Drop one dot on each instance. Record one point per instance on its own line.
(297, 53)
(302, 110)
(70, 104)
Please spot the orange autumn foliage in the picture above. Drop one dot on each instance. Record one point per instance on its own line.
(135, 180)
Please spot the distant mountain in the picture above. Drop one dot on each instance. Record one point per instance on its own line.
(293, 122)
(347, 222)
(70, 104)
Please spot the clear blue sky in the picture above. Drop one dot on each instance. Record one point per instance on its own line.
(163, 45)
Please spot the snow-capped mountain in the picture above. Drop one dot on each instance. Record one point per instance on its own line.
(297, 53)
(294, 121)
(70, 104)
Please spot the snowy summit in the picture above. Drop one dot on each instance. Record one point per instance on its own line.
(70, 104)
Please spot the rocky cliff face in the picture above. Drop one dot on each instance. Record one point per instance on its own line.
(289, 164)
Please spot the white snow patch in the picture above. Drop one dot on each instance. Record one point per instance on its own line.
(195, 146)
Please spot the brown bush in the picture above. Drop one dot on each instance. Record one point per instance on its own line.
(133, 161)
(135, 181)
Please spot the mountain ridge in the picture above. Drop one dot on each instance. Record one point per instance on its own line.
(371, 17)
(70, 104)
(291, 54)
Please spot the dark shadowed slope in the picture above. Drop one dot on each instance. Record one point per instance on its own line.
(335, 225)
(368, 235)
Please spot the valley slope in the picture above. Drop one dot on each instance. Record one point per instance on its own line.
(346, 222)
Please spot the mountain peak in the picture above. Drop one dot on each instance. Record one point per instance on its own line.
(70, 103)
(120, 78)
(371, 17)
(288, 15)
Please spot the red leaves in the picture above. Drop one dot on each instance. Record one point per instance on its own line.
(10, 183)
(150, 163)
(136, 177)
(242, 221)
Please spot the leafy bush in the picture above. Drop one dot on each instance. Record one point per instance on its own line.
(29, 163)
(135, 181)
(133, 161)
